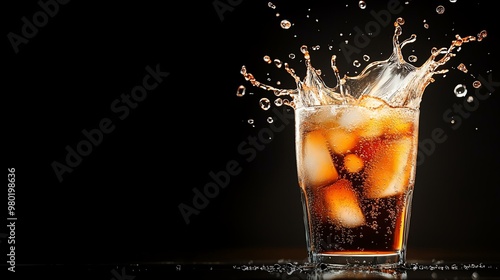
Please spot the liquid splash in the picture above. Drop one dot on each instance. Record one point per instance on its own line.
(394, 80)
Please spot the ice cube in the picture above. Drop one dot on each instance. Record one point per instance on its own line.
(352, 117)
(372, 127)
(390, 170)
(366, 122)
(342, 204)
(353, 163)
(341, 141)
(318, 164)
(371, 102)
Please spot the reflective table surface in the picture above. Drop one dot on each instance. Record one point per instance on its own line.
(281, 269)
(243, 265)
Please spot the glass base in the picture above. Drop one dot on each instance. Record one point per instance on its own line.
(380, 261)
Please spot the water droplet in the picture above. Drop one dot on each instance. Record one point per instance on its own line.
(362, 4)
(264, 103)
(271, 5)
(178, 267)
(270, 120)
(470, 99)
(481, 35)
(251, 121)
(303, 49)
(440, 9)
(460, 90)
(356, 63)
(267, 59)
(278, 63)
(476, 84)
(453, 1)
(462, 68)
(366, 57)
(240, 91)
(285, 24)
(278, 102)
(426, 25)
(291, 56)
(412, 58)
(315, 48)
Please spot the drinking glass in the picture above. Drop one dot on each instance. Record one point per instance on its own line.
(356, 168)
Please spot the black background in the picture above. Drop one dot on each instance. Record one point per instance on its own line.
(120, 203)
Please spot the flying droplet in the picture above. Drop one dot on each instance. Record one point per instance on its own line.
(356, 63)
(470, 99)
(264, 103)
(440, 9)
(271, 5)
(278, 102)
(462, 68)
(476, 84)
(278, 63)
(267, 59)
(241, 91)
(285, 24)
(453, 1)
(362, 4)
(366, 57)
(460, 90)
(412, 58)
(481, 35)
(291, 56)
(426, 25)
(251, 121)
(270, 120)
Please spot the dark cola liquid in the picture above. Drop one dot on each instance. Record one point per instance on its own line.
(382, 232)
